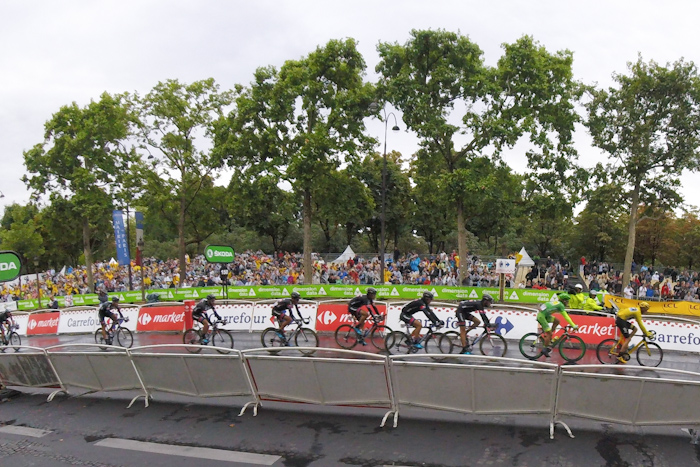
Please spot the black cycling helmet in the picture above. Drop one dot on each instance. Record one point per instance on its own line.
(428, 295)
(487, 298)
(296, 296)
(115, 299)
(211, 297)
(371, 291)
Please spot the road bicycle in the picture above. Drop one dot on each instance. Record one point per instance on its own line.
(571, 348)
(220, 338)
(398, 342)
(490, 343)
(124, 337)
(648, 353)
(301, 336)
(348, 336)
(12, 339)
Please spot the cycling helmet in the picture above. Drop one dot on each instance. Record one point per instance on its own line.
(578, 286)
(644, 305)
(115, 299)
(371, 291)
(427, 295)
(487, 298)
(565, 297)
(211, 297)
(593, 293)
(296, 295)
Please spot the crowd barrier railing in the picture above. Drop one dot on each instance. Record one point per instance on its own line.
(109, 369)
(362, 380)
(27, 367)
(177, 372)
(475, 385)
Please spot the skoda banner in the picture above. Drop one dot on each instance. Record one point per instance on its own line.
(10, 266)
(218, 254)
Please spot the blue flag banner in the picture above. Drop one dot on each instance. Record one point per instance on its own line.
(123, 256)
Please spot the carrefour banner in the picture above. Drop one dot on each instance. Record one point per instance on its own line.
(314, 292)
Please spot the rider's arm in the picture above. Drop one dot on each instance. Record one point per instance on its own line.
(431, 315)
(216, 314)
(566, 315)
(638, 317)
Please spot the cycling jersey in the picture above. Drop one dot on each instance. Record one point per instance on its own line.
(414, 307)
(105, 312)
(544, 317)
(280, 308)
(5, 316)
(358, 302)
(626, 314)
(200, 309)
(467, 307)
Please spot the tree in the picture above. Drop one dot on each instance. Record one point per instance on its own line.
(174, 116)
(649, 124)
(74, 159)
(450, 98)
(21, 232)
(301, 123)
(687, 238)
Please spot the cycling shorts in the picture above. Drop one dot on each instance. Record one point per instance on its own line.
(463, 316)
(545, 319)
(624, 326)
(107, 314)
(408, 319)
(199, 316)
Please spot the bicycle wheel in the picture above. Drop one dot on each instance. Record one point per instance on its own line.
(493, 345)
(306, 337)
(572, 348)
(271, 338)
(191, 337)
(125, 338)
(222, 338)
(449, 342)
(98, 337)
(378, 336)
(531, 346)
(346, 336)
(432, 345)
(650, 354)
(15, 341)
(603, 352)
(402, 343)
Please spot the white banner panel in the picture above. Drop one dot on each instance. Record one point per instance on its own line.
(238, 315)
(262, 315)
(78, 321)
(21, 320)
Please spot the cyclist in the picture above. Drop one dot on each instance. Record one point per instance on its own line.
(411, 308)
(199, 313)
(545, 317)
(105, 312)
(591, 303)
(6, 319)
(360, 307)
(279, 310)
(622, 322)
(465, 312)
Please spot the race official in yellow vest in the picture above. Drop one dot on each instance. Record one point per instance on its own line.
(591, 304)
(578, 298)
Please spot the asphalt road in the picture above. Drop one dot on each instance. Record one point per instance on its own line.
(98, 430)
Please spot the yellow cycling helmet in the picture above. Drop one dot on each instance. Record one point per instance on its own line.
(644, 305)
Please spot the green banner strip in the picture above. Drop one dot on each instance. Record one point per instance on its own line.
(312, 292)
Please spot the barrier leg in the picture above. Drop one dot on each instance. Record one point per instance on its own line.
(386, 415)
(56, 392)
(553, 423)
(694, 435)
(255, 408)
(146, 397)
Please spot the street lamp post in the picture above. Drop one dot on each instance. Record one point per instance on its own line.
(38, 285)
(374, 106)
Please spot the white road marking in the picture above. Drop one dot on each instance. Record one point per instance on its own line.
(188, 451)
(24, 431)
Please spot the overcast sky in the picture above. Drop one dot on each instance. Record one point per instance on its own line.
(58, 52)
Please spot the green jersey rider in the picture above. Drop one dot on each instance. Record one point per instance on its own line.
(545, 317)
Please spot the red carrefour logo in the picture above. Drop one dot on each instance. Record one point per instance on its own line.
(162, 318)
(32, 324)
(144, 319)
(43, 323)
(326, 317)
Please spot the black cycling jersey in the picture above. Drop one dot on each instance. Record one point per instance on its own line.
(414, 307)
(202, 307)
(467, 307)
(283, 305)
(360, 301)
(105, 311)
(4, 316)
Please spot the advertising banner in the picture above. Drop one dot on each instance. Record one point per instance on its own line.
(120, 238)
(238, 315)
(262, 315)
(78, 321)
(332, 315)
(218, 254)
(43, 323)
(161, 318)
(10, 266)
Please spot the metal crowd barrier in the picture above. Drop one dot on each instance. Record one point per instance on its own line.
(27, 367)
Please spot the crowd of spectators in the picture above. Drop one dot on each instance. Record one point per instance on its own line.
(283, 268)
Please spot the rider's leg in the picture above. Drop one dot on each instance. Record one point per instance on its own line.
(555, 323)
(416, 330)
(205, 323)
(463, 334)
(2, 332)
(363, 316)
(284, 321)
(104, 331)
(626, 343)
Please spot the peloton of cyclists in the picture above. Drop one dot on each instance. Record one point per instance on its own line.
(199, 313)
(105, 311)
(280, 309)
(420, 305)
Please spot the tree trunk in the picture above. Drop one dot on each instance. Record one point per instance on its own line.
(87, 251)
(181, 238)
(631, 236)
(461, 242)
(308, 265)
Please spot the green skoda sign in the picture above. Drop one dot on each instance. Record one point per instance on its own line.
(218, 254)
(10, 265)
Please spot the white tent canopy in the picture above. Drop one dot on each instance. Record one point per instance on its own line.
(525, 259)
(347, 254)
